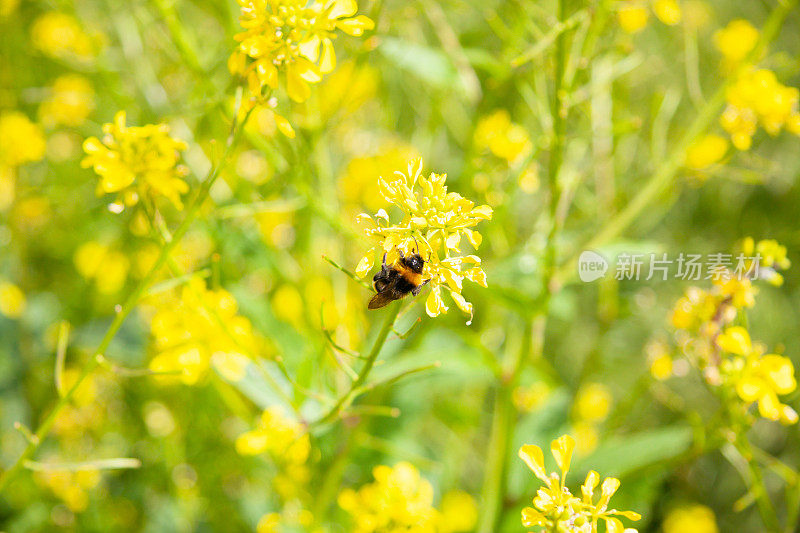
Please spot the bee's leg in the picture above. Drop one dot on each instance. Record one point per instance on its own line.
(418, 288)
(399, 251)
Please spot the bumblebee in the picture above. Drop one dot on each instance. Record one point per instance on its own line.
(395, 281)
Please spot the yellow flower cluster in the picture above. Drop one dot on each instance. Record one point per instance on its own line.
(195, 326)
(60, 36)
(435, 221)
(70, 102)
(71, 487)
(755, 376)
(137, 162)
(632, 15)
(107, 267)
(400, 500)
(505, 139)
(771, 258)
(21, 141)
(757, 97)
(293, 37)
(556, 509)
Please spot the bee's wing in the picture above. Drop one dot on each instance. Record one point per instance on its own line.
(380, 300)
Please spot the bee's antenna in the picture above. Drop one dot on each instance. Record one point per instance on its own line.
(415, 242)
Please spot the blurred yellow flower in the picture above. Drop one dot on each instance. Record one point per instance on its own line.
(706, 151)
(277, 434)
(593, 402)
(554, 506)
(435, 220)
(528, 398)
(757, 97)
(294, 37)
(60, 36)
(357, 183)
(690, 519)
(190, 328)
(7, 186)
(108, 268)
(660, 360)
(757, 377)
(399, 500)
(586, 437)
(70, 102)
(71, 487)
(12, 300)
(771, 257)
(21, 141)
(506, 140)
(667, 11)
(459, 512)
(137, 161)
(736, 40)
(632, 16)
(7, 7)
(693, 309)
(287, 304)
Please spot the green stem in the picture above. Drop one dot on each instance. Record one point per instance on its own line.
(502, 434)
(353, 391)
(765, 506)
(667, 171)
(127, 307)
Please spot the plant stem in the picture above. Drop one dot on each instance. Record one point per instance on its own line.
(353, 391)
(666, 173)
(127, 307)
(765, 507)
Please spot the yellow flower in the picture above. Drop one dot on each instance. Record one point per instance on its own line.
(756, 377)
(137, 161)
(690, 519)
(736, 40)
(528, 398)
(7, 7)
(399, 500)
(21, 141)
(436, 221)
(188, 330)
(660, 360)
(59, 35)
(12, 300)
(292, 37)
(632, 16)
(70, 101)
(593, 402)
(554, 506)
(276, 433)
(706, 151)
(107, 267)
(693, 309)
(459, 512)
(503, 138)
(757, 97)
(667, 11)
(71, 487)
(357, 184)
(771, 257)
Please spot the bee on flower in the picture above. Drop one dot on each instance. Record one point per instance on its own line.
(293, 39)
(555, 508)
(434, 224)
(136, 162)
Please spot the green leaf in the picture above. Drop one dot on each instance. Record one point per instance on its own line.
(618, 456)
(428, 64)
